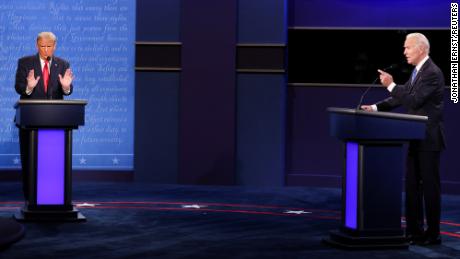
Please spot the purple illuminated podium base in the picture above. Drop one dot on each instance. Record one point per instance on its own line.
(371, 197)
(10, 232)
(49, 178)
(54, 215)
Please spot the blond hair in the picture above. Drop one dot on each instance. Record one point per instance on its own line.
(46, 35)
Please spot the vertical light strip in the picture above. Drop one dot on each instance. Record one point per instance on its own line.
(50, 167)
(351, 199)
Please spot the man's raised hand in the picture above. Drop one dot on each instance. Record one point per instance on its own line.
(31, 80)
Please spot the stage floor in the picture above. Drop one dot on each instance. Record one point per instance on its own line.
(177, 221)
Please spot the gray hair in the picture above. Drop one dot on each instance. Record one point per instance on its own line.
(420, 41)
(46, 35)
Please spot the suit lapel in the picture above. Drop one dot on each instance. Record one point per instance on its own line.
(419, 74)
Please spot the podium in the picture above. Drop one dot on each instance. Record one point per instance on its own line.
(372, 180)
(49, 125)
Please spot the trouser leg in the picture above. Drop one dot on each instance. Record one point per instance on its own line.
(24, 149)
(414, 196)
(429, 171)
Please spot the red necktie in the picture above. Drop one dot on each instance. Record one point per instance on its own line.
(46, 75)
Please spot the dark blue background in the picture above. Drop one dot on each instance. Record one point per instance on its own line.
(370, 14)
(280, 130)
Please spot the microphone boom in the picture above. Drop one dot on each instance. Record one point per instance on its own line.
(393, 66)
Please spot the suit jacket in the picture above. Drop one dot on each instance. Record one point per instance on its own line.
(422, 97)
(58, 66)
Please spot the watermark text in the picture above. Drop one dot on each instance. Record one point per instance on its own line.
(454, 52)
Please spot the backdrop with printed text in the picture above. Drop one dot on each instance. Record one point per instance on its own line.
(97, 38)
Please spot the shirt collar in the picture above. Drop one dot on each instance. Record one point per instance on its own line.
(42, 62)
(420, 64)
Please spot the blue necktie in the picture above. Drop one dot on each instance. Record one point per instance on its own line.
(414, 74)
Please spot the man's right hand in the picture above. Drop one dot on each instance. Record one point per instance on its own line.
(31, 81)
(367, 108)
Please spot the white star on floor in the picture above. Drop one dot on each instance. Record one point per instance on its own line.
(82, 161)
(115, 161)
(16, 160)
(192, 206)
(86, 204)
(297, 212)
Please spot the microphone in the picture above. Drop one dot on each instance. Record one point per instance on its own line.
(393, 66)
(48, 58)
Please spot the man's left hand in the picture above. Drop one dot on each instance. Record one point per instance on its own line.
(66, 80)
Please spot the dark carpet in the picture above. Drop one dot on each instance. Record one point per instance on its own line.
(133, 220)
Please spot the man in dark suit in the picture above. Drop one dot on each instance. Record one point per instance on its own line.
(421, 95)
(41, 76)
